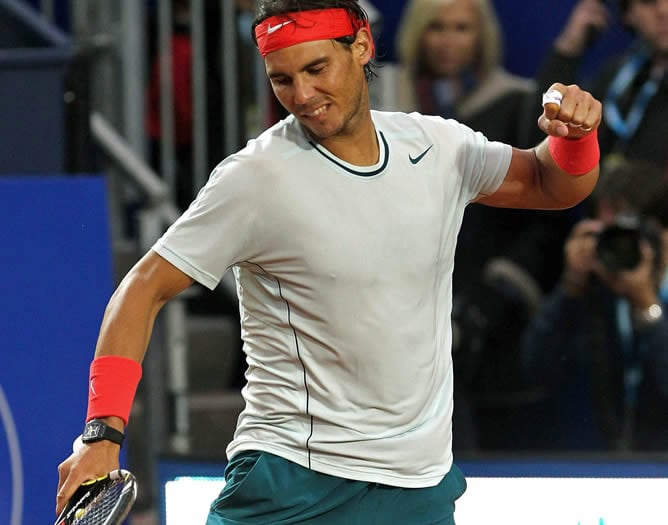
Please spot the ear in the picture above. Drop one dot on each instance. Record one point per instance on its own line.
(363, 47)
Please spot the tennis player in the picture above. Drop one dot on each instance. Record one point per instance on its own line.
(340, 225)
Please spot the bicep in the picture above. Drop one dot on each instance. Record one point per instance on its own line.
(150, 283)
(521, 185)
(159, 278)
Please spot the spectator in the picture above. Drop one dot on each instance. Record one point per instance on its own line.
(506, 259)
(450, 53)
(633, 87)
(599, 345)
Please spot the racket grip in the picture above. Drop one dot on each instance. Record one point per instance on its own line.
(77, 443)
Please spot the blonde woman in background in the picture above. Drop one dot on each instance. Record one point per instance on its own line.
(450, 58)
(450, 53)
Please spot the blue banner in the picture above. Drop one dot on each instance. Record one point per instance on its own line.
(55, 280)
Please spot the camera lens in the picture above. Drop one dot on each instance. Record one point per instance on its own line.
(618, 247)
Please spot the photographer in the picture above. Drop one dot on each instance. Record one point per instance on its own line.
(599, 343)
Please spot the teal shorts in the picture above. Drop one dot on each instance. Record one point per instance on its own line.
(264, 489)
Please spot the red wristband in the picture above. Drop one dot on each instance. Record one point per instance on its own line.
(575, 156)
(112, 387)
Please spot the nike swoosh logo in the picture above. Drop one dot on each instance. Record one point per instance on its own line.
(272, 29)
(415, 160)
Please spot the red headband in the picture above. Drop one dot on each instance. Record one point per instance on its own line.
(280, 31)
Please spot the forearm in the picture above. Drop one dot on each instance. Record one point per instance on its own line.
(558, 184)
(563, 169)
(125, 333)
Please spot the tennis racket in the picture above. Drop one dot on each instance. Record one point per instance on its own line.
(103, 501)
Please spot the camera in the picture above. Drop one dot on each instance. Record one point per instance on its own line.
(618, 245)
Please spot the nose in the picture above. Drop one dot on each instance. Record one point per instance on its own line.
(303, 90)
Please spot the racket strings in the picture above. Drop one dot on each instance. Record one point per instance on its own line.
(98, 509)
(105, 501)
(101, 506)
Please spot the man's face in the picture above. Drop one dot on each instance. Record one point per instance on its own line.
(649, 18)
(322, 84)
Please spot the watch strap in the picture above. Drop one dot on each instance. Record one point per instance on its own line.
(97, 430)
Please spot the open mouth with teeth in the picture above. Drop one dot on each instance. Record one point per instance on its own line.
(319, 111)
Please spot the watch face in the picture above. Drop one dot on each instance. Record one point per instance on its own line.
(96, 430)
(92, 431)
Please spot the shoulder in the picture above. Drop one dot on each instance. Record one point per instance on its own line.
(250, 171)
(453, 140)
(414, 124)
(277, 141)
(271, 148)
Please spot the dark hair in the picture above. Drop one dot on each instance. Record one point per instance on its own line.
(637, 182)
(268, 8)
(657, 206)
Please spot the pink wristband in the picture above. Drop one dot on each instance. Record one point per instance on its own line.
(112, 387)
(575, 156)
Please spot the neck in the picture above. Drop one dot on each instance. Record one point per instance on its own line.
(359, 148)
(357, 142)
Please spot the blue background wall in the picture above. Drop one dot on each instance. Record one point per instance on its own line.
(55, 280)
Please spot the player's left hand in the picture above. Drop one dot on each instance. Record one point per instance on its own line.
(569, 111)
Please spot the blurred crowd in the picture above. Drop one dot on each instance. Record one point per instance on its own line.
(560, 318)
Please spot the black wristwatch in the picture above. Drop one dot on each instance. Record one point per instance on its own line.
(97, 430)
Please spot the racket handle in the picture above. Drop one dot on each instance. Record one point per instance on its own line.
(77, 444)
